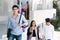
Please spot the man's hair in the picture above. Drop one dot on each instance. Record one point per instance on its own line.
(47, 20)
(14, 7)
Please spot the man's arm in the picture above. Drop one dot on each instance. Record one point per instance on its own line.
(9, 28)
(9, 23)
(53, 32)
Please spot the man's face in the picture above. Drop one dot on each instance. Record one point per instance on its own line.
(15, 10)
(48, 23)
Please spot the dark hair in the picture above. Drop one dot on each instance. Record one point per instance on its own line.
(14, 7)
(47, 20)
(31, 23)
(22, 10)
(27, 1)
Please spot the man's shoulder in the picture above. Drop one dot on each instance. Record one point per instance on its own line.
(10, 17)
(20, 14)
(51, 25)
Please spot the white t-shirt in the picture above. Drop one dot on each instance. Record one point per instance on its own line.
(48, 31)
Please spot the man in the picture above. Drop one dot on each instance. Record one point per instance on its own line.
(48, 29)
(14, 25)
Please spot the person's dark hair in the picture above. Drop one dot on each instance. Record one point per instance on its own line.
(22, 10)
(31, 23)
(47, 20)
(27, 2)
(14, 7)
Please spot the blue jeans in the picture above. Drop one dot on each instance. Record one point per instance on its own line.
(17, 37)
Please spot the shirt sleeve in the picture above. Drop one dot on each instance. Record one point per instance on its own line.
(52, 32)
(25, 21)
(9, 23)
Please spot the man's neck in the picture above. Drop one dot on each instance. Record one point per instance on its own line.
(15, 16)
(47, 25)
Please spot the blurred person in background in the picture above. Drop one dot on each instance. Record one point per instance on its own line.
(32, 32)
(48, 30)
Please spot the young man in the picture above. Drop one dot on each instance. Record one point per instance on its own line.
(14, 25)
(48, 30)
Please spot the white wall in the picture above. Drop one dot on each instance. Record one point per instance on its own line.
(40, 15)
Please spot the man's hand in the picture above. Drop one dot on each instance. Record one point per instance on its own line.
(20, 24)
